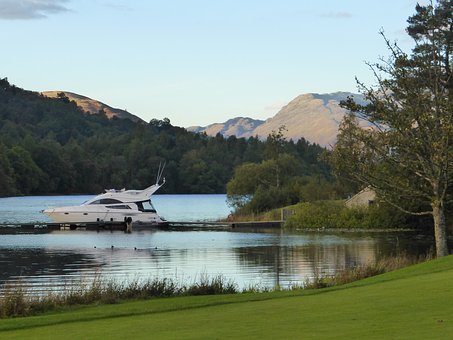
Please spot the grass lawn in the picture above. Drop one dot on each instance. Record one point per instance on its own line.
(412, 303)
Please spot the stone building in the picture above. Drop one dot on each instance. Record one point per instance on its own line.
(364, 198)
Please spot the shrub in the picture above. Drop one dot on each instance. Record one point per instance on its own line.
(14, 303)
(215, 285)
(334, 214)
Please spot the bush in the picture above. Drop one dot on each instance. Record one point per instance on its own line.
(264, 197)
(334, 214)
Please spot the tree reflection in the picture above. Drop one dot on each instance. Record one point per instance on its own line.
(324, 255)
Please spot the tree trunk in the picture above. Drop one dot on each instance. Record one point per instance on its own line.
(440, 233)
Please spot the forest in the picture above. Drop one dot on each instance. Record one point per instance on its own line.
(50, 146)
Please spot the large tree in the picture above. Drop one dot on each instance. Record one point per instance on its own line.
(405, 150)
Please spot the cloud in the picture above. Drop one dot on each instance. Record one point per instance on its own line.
(30, 9)
(338, 15)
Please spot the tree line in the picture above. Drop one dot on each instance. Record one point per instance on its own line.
(281, 178)
(50, 146)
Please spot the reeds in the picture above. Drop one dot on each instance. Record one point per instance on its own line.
(15, 300)
(349, 275)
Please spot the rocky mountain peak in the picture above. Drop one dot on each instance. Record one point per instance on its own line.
(315, 117)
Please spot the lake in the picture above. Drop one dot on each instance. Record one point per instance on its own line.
(44, 261)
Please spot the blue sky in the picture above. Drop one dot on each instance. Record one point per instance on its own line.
(196, 61)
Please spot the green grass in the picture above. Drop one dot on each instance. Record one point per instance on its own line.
(412, 303)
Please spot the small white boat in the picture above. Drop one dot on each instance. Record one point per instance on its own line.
(112, 206)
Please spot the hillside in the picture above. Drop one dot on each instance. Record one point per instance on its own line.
(52, 146)
(239, 127)
(315, 117)
(93, 106)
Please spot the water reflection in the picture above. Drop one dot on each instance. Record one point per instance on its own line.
(249, 258)
(289, 262)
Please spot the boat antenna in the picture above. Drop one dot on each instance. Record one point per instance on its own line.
(160, 172)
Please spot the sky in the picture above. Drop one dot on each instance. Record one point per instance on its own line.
(197, 62)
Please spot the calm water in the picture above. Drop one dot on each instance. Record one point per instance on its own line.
(265, 259)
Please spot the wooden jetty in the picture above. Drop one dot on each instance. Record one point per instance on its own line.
(122, 226)
(258, 224)
(50, 226)
(226, 225)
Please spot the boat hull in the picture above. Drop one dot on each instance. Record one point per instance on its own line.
(60, 215)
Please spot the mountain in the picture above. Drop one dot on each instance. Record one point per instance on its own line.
(315, 117)
(239, 127)
(50, 146)
(93, 106)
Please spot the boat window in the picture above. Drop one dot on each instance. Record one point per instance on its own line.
(123, 206)
(146, 206)
(106, 201)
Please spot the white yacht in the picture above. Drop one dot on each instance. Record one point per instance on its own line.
(112, 206)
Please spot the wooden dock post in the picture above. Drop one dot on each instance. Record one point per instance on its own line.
(128, 222)
(285, 213)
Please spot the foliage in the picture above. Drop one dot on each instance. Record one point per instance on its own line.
(6, 173)
(258, 187)
(334, 214)
(284, 177)
(49, 146)
(406, 154)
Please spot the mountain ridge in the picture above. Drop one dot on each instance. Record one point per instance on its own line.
(238, 126)
(313, 116)
(93, 106)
